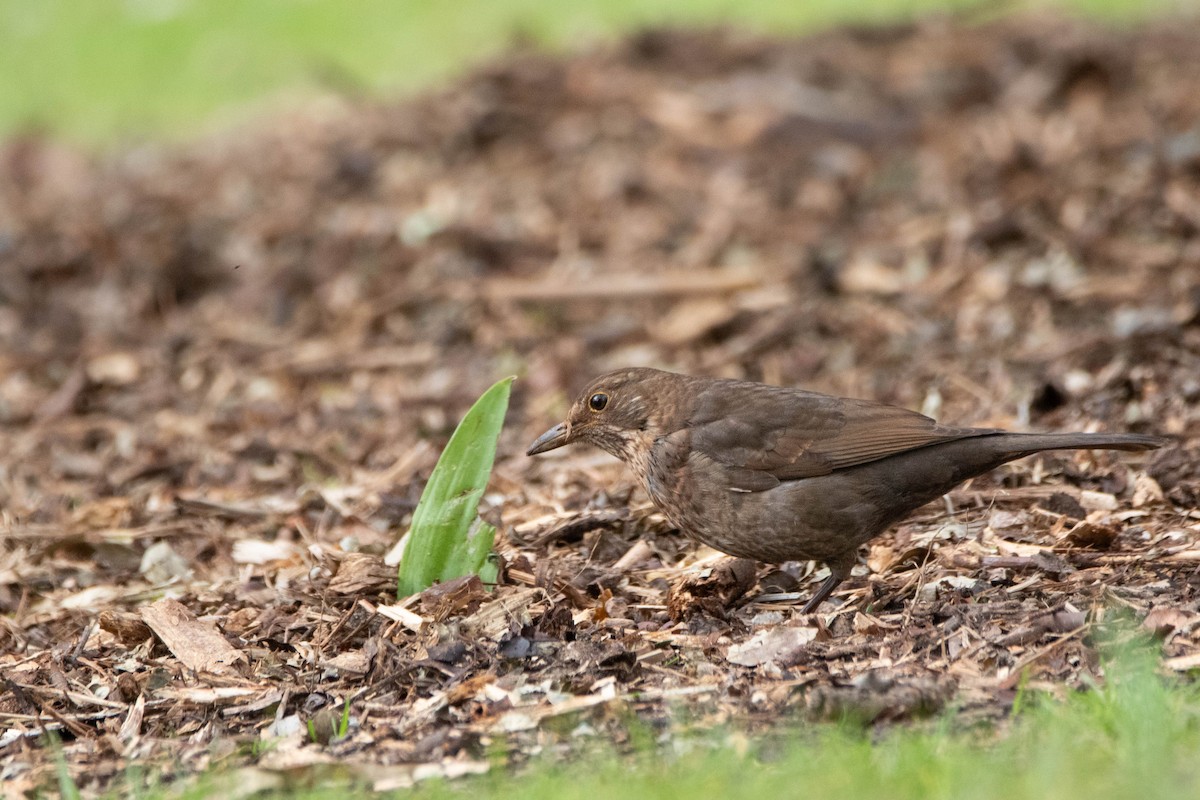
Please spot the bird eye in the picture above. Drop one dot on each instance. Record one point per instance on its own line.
(598, 401)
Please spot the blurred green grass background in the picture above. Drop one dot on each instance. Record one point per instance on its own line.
(1134, 735)
(103, 70)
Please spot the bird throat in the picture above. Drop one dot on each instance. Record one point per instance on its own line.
(632, 447)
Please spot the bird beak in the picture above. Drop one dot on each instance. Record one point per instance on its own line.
(557, 436)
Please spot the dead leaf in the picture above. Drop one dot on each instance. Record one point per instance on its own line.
(1097, 501)
(114, 369)
(198, 645)
(779, 644)
(109, 512)
(1165, 621)
(500, 612)
(360, 573)
(1146, 491)
(1093, 534)
(129, 628)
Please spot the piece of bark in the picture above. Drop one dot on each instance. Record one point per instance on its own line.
(360, 573)
(199, 645)
(129, 628)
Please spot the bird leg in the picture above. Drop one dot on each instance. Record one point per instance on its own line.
(839, 570)
(827, 587)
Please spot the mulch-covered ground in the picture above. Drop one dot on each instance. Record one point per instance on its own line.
(228, 368)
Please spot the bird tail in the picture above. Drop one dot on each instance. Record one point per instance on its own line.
(919, 475)
(1027, 443)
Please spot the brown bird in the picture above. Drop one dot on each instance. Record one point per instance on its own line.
(779, 474)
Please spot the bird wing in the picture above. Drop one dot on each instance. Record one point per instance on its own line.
(774, 434)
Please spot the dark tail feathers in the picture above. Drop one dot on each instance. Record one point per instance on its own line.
(1037, 442)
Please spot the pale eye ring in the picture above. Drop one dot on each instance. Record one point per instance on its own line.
(598, 401)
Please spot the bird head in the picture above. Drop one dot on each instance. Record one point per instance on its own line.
(616, 410)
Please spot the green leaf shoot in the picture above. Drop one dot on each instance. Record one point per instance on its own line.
(447, 539)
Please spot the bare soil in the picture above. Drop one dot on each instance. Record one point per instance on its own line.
(228, 368)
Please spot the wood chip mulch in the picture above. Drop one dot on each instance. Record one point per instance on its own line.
(228, 368)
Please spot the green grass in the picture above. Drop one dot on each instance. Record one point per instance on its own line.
(1137, 735)
(101, 70)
